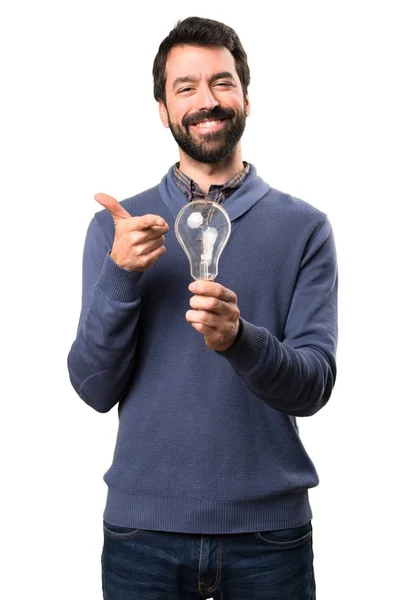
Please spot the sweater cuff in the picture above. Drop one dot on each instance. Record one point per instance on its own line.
(117, 283)
(249, 349)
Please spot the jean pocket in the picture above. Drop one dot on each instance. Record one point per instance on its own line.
(286, 538)
(121, 533)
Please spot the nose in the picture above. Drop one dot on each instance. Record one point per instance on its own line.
(206, 99)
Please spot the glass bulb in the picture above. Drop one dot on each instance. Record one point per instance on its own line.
(203, 228)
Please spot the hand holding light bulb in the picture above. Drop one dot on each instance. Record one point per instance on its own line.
(214, 313)
(203, 229)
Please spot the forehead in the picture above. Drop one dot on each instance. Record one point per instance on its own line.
(199, 62)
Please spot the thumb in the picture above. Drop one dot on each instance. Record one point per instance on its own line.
(111, 204)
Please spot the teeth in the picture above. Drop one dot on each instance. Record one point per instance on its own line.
(207, 123)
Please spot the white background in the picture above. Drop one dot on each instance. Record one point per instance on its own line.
(78, 117)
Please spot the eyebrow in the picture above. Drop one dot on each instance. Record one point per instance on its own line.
(194, 79)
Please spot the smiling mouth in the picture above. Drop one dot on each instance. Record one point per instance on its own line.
(209, 124)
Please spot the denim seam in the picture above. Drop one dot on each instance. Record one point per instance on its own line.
(121, 535)
(304, 538)
(199, 584)
(219, 569)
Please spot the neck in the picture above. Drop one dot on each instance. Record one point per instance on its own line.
(205, 174)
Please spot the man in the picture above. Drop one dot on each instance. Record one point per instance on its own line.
(208, 489)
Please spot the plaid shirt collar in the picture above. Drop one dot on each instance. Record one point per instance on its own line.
(216, 193)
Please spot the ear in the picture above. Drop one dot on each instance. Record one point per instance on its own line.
(247, 105)
(163, 113)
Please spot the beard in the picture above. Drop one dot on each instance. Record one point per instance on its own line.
(213, 146)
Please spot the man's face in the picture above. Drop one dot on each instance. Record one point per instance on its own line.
(205, 107)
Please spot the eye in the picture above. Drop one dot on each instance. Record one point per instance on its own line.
(186, 89)
(223, 83)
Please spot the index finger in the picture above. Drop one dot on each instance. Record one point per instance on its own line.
(149, 220)
(211, 288)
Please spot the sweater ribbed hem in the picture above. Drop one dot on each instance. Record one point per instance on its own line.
(117, 283)
(213, 517)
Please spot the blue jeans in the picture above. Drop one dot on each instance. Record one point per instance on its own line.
(155, 565)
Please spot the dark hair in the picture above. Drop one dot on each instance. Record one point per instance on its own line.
(196, 31)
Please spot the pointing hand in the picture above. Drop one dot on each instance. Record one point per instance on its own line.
(138, 241)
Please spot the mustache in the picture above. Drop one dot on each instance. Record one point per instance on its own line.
(215, 114)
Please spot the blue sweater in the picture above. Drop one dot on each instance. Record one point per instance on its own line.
(208, 441)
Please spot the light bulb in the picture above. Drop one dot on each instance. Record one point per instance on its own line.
(203, 228)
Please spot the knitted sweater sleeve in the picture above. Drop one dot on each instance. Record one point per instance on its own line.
(296, 375)
(101, 359)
